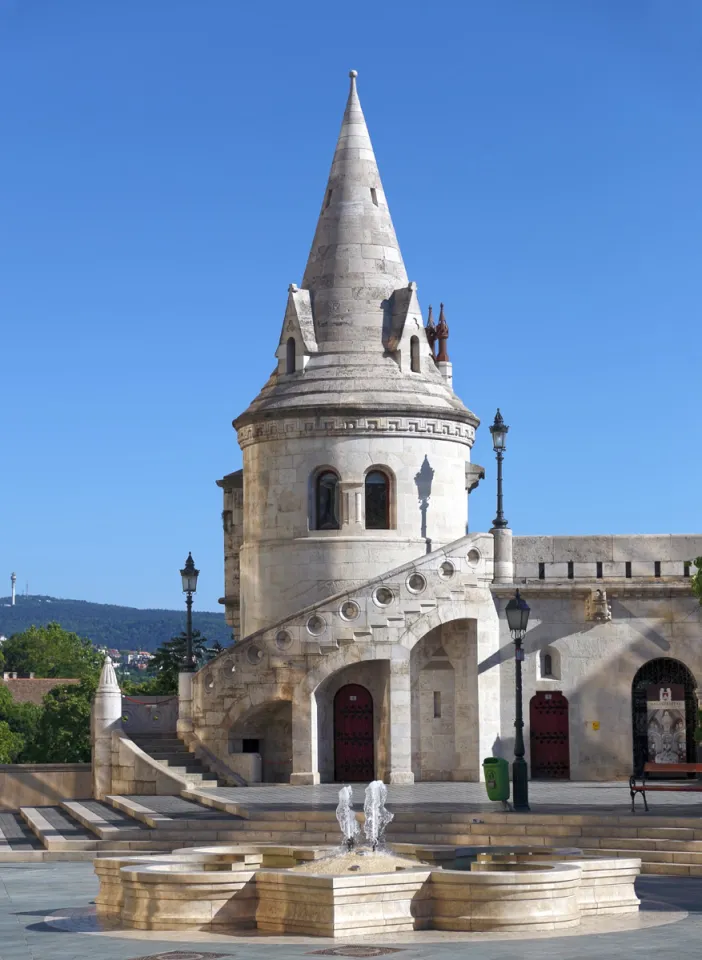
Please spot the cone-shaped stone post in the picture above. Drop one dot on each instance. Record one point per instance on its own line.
(106, 717)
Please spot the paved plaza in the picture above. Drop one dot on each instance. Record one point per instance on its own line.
(31, 894)
(552, 797)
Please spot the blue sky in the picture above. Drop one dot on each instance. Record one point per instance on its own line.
(162, 166)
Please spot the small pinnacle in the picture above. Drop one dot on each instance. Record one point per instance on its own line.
(353, 74)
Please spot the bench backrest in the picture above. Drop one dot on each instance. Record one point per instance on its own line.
(673, 768)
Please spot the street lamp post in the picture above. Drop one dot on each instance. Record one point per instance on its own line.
(189, 576)
(517, 612)
(499, 434)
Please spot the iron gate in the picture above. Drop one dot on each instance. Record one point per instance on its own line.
(664, 671)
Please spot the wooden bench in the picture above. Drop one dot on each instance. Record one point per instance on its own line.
(678, 769)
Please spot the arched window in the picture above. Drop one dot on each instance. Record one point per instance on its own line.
(290, 356)
(548, 665)
(377, 500)
(414, 354)
(327, 501)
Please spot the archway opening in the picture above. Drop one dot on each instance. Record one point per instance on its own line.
(549, 739)
(354, 736)
(266, 730)
(444, 703)
(663, 713)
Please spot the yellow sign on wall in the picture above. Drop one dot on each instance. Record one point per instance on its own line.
(595, 724)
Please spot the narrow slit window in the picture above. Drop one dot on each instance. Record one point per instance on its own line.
(328, 199)
(374, 195)
(414, 354)
(290, 358)
(571, 569)
(686, 568)
(656, 568)
(627, 568)
(542, 571)
(548, 665)
(599, 569)
(437, 703)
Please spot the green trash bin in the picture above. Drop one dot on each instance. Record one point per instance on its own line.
(496, 778)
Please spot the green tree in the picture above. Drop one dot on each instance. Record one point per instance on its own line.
(696, 580)
(50, 651)
(63, 732)
(11, 743)
(169, 659)
(23, 720)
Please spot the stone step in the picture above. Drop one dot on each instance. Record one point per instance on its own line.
(56, 830)
(16, 836)
(105, 821)
(175, 813)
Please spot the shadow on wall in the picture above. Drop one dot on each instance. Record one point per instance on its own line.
(423, 480)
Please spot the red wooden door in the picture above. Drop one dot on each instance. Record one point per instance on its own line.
(550, 754)
(353, 735)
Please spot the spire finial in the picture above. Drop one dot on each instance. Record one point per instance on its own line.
(353, 74)
(442, 333)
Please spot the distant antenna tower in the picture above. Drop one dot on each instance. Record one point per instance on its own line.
(13, 581)
(26, 589)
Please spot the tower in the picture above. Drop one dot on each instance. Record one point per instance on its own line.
(13, 582)
(356, 452)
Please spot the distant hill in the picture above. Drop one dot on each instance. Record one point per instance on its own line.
(124, 628)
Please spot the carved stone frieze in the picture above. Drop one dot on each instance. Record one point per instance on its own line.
(362, 426)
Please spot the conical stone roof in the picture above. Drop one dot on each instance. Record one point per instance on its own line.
(354, 267)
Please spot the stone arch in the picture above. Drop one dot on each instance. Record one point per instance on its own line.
(264, 728)
(444, 702)
(664, 671)
(373, 675)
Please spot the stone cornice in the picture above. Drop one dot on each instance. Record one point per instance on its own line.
(440, 426)
(659, 589)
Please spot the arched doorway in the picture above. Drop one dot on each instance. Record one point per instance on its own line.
(666, 673)
(550, 749)
(353, 735)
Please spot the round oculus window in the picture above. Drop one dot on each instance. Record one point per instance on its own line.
(316, 625)
(283, 640)
(473, 557)
(446, 570)
(416, 583)
(383, 596)
(350, 610)
(254, 654)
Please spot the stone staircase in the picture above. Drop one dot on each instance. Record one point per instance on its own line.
(84, 829)
(171, 752)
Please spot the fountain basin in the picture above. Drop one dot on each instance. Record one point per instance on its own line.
(182, 896)
(535, 897)
(108, 870)
(606, 883)
(338, 906)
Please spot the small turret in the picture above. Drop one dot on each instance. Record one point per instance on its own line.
(442, 335)
(430, 331)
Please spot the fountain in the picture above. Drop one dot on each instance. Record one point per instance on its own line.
(347, 818)
(377, 817)
(364, 889)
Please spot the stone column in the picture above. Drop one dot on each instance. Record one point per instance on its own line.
(305, 764)
(185, 703)
(400, 725)
(504, 567)
(105, 718)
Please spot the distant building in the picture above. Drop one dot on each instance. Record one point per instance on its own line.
(32, 689)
